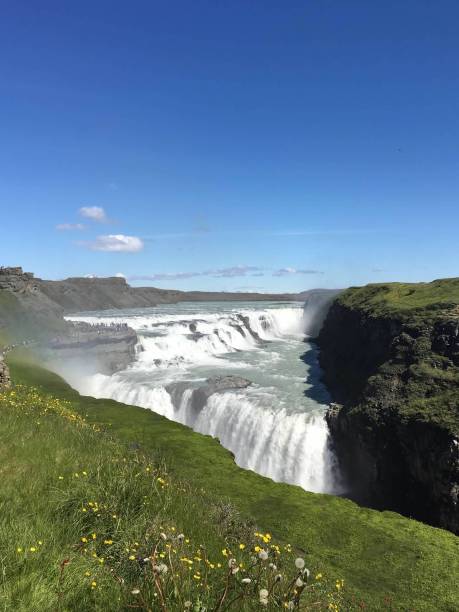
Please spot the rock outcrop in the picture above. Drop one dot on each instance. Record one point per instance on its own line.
(200, 395)
(392, 363)
(92, 348)
(30, 317)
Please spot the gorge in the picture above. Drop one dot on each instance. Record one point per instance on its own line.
(246, 371)
(236, 371)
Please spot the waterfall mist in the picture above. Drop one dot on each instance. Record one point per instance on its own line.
(264, 413)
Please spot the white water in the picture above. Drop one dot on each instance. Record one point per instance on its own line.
(275, 427)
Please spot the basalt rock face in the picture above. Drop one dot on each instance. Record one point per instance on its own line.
(395, 372)
(200, 395)
(92, 348)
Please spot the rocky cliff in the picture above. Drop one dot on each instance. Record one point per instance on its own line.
(83, 294)
(29, 317)
(390, 357)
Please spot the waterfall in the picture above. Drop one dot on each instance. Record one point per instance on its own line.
(270, 426)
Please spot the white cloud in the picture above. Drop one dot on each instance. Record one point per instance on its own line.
(232, 272)
(120, 275)
(95, 213)
(290, 271)
(115, 243)
(164, 276)
(70, 226)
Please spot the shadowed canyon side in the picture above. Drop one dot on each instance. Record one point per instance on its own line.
(390, 356)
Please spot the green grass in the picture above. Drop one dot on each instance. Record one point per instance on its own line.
(84, 523)
(430, 390)
(381, 556)
(404, 298)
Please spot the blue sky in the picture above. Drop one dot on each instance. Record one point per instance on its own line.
(230, 145)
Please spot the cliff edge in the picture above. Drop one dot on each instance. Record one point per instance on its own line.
(390, 357)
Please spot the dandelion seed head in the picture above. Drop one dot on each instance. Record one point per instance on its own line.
(263, 555)
(299, 562)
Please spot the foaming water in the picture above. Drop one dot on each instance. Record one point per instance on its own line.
(275, 426)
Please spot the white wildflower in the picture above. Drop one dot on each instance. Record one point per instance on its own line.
(299, 563)
(263, 555)
(264, 594)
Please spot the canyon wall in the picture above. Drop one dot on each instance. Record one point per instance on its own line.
(390, 358)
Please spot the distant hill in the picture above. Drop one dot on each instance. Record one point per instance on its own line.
(83, 294)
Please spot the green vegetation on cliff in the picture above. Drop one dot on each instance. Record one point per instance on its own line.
(390, 356)
(407, 300)
(422, 323)
(384, 559)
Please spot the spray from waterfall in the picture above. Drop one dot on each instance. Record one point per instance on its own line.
(271, 427)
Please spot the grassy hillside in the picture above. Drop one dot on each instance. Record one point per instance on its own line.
(386, 561)
(417, 344)
(87, 524)
(404, 299)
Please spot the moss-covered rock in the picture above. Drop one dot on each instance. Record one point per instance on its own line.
(390, 355)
